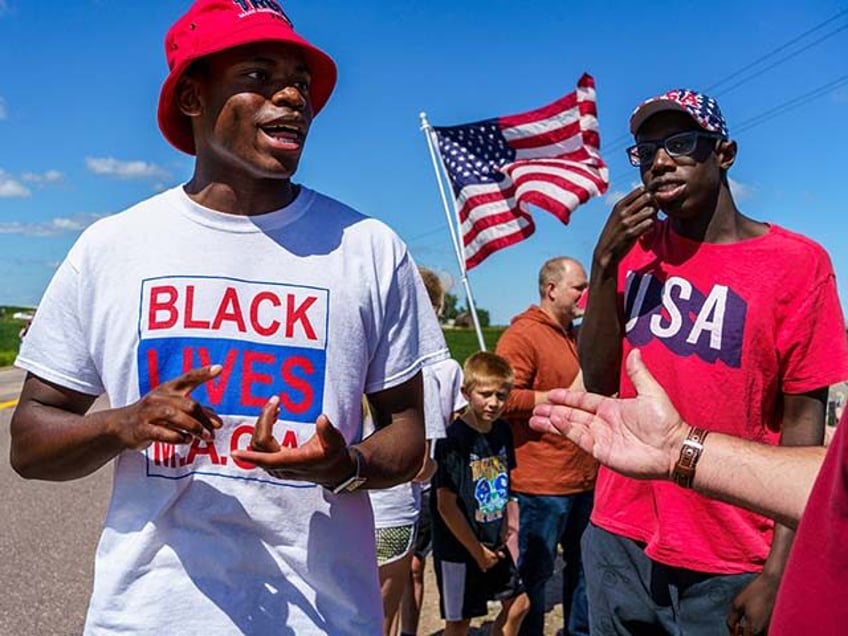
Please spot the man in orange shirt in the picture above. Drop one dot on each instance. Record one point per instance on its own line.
(553, 479)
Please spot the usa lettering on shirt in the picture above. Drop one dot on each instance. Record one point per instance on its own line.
(709, 323)
(270, 338)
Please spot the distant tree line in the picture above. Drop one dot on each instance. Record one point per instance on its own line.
(452, 310)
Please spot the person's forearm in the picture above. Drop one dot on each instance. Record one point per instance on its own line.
(803, 425)
(53, 444)
(774, 481)
(457, 523)
(781, 545)
(521, 402)
(601, 334)
(428, 469)
(392, 455)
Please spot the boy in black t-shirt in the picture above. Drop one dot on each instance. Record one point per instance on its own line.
(469, 509)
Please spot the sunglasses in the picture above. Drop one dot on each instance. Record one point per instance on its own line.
(677, 145)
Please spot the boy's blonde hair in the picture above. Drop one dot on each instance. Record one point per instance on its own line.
(433, 284)
(485, 366)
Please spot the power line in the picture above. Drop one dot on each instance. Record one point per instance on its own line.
(621, 142)
(426, 234)
(791, 104)
(777, 50)
(782, 60)
(781, 108)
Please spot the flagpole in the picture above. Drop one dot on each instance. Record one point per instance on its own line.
(437, 162)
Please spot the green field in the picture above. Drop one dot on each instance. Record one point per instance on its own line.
(9, 329)
(462, 342)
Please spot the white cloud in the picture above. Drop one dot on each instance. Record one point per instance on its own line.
(50, 176)
(111, 167)
(11, 187)
(53, 227)
(740, 190)
(4, 114)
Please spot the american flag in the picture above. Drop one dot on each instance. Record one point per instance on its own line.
(549, 157)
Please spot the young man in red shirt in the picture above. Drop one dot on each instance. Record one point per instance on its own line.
(719, 305)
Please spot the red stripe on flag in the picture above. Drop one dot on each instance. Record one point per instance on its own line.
(548, 138)
(562, 181)
(481, 199)
(545, 112)
(499, 243)
(493, 220)
(489, 216)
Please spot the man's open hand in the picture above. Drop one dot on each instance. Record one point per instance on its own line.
(639, 437)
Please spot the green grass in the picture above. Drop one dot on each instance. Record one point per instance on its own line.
(9, 329)
(463, 342)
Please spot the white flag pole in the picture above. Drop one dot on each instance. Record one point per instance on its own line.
(432, 143)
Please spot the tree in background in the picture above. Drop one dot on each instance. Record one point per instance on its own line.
(449, 310)
(452, 311)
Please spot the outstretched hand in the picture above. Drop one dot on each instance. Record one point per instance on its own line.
(638, 437)
(324, 459)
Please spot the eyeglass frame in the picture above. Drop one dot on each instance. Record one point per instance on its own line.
(662, 143)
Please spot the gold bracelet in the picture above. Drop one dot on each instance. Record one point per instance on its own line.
(683, 473)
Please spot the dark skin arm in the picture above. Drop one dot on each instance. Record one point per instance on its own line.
(392, 455)
(54, 438)
(803, 425)
(601, 333)
(428, 466)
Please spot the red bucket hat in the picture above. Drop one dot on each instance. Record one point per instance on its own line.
(212, 26)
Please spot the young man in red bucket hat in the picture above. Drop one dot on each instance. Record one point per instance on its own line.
(235, 322)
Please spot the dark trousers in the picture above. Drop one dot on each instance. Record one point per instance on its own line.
(631, 594)
(546, 521)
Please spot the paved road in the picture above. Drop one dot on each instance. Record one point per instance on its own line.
(48, 535)
(10, 385)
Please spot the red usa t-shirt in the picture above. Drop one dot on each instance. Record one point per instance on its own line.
(725, 329)
(811, 598)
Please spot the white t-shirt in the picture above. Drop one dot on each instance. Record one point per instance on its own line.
(314, 302)
(400, 505)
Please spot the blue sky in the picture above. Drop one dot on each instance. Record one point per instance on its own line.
(79, 84)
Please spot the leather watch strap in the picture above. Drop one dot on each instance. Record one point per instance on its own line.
(683, 473)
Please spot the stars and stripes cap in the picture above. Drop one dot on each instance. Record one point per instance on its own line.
(702, 108)
(212, 26)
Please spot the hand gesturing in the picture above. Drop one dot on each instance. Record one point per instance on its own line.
(168, 413)
(324, 459)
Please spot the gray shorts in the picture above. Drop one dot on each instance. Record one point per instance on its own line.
(631, 594)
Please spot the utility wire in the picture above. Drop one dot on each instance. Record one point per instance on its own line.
(782, 60)
(761, 118)
(791, 104)
(621, 142)
(771, 113)
(425, 234)
(780, 48)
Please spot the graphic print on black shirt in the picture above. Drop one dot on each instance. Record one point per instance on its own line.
(475, 466)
